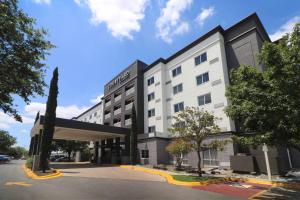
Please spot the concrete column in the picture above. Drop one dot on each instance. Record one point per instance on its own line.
(78, 156)
(102, 150)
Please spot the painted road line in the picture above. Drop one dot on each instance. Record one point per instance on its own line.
(18, 183)
(255, 196)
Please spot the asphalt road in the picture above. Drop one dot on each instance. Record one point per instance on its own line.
(65, 188)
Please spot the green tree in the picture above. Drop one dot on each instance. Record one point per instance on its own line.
(133, 137)
(49, 123)
(22, 49)
(178, 148)
(267, 102)
(6, 141)
(18, 152)
(69, 146)
(194, 125)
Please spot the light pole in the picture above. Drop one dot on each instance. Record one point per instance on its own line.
(265, 150)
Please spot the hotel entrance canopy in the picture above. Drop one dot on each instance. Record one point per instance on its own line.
(68, 129)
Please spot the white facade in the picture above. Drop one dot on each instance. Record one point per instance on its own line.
(165, 99)
(93, 115)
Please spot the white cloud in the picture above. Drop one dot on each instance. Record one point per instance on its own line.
(96, 99)
(24, 131)
(121, 17)
(170, 23)
(42, 1)
(285, 28)
(61, 111)
(204, 14)
(6, 121)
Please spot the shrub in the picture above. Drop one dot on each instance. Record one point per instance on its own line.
(29, 162)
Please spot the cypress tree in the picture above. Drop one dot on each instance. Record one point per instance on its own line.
(133, 137)
(49, 123)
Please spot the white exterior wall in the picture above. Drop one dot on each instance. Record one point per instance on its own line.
(91, 117)
(164, 110)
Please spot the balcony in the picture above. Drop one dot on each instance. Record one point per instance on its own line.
(106, 116)
(117, 98)
(130, 91)
(118, 124)
(127, 122)
(128, 106)
(118, 111)
(108, 103)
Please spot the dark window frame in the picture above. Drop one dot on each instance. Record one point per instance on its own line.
(150, 81)
(178, 107)
(202, 78)
(177, 89)
(200, 58)
(177, 71)
(206, 99)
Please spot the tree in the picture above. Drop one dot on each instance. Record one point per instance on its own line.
(49, 123)
(267, 103)
(22, 49)
(17, 152)
(6, 141)
(133, 137)
(69, 146)
(194, 125)
(178, 148)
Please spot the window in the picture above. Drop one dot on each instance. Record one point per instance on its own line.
(151, 113)
(91, 116)
(151, 129)
(176, 71)
(150, 80)
(210, 157)
(202, 78)
(200, 59)
(95, 114)
(177, 88)
(204, 99)
(145, 153)
(178, 107)
(151, 96)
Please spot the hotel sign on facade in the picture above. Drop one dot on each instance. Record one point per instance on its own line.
(120, 79)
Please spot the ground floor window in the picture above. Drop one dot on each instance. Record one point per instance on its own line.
(210, 157)
(145, 153)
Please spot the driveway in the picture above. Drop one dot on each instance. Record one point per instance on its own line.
(89, 170)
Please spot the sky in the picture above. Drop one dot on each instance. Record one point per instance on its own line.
(96, 39)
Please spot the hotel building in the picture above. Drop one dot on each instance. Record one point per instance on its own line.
(196, 75)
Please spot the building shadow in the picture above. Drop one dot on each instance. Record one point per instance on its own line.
(73, 165)
(279, 193)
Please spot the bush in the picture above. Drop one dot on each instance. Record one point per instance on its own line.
(29, 162)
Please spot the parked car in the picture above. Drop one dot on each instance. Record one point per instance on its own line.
(55, 157)
(4, 158)
(64, 159)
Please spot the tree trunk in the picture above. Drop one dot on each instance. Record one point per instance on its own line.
(199, 164)
(69, 155)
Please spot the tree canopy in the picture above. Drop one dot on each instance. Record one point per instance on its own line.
(6, 141)
(267, 103)
(178, 148)
(69, 146)
(194, 125)
(22, 50)
(50, 116)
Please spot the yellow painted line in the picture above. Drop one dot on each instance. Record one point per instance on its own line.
(257, 195)
(32, 175)
(171, 180)
(18, 183)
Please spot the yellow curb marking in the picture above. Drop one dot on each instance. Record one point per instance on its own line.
(18, 183)
(32, 175)
(171, 180)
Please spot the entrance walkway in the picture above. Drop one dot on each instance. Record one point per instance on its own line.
(89, 170)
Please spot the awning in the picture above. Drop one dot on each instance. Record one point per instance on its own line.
(68, 129)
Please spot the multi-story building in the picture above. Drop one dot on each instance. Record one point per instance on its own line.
(195, 76)
(92, 115)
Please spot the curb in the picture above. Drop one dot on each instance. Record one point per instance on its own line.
(171, 180)
(32, 175)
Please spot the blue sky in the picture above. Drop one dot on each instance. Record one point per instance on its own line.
(95, 39)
